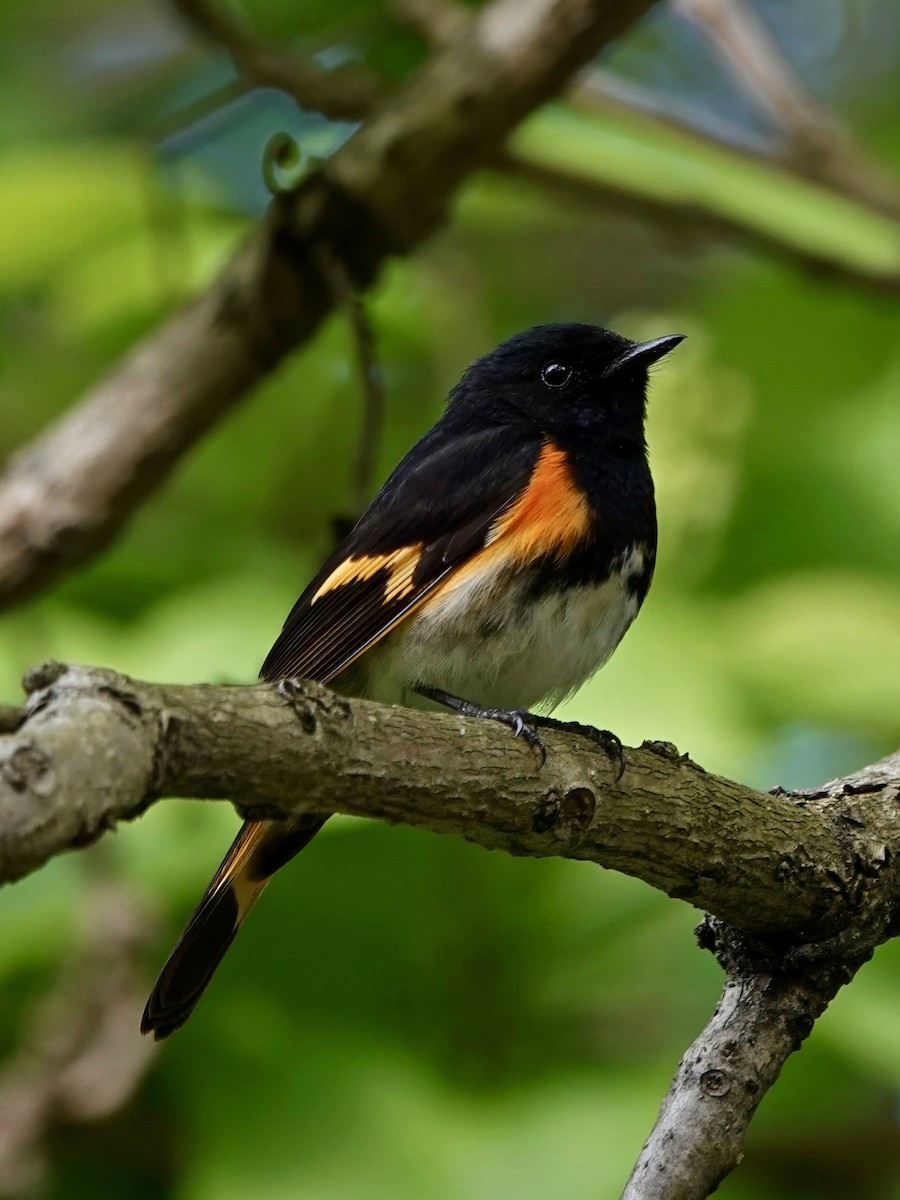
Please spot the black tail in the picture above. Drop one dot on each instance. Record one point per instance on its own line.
(257, 852)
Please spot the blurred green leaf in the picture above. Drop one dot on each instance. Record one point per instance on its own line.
(633, 155)
(63, 199)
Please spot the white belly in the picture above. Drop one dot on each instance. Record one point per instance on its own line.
(507, 655)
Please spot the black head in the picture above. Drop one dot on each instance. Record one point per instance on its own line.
(563, 379)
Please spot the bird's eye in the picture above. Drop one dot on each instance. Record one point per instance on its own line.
(556, 374)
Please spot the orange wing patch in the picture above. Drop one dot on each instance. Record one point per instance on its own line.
(551, 516)
(399, 564)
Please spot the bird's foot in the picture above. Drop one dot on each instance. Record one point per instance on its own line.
(604, 738)
(525, 724)
(522, 723)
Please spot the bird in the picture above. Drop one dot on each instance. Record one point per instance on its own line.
(494, 572)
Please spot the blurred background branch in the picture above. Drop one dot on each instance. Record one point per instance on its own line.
(343, 92)
(818, 145)
(66, 496)
(78, 1060)
(371, 381)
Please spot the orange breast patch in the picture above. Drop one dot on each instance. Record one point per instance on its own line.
(551, 517)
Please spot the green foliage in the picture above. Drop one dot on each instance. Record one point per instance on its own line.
(406, 1016)
(659, 163)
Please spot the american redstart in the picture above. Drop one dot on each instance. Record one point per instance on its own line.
(497, 569)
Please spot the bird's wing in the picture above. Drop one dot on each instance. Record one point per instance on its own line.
(442, 507)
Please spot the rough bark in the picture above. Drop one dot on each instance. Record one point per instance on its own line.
(96, 747)
(809, 879)
(766, 1010)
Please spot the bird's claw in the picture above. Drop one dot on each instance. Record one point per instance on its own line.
(523, 728)
(525, 724)
(609, 743)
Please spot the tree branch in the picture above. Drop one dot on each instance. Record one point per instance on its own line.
(345, 93)
(838, 162)
(67, 495)
(810, 878)
(819, 147)
(79, 1059)
(692, 219)
(371, 382)
(765, 1012)
(96, 747)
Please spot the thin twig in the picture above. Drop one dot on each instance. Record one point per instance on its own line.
(598, 90)
(371, 381)
(818, 145)
(759, 67)
(693, 221)
(847, 171)
(344, 93)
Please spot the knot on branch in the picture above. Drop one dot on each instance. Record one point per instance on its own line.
(42, 676)
(715, 1082)
(567, 817)
(670, 753)
(825, 964)
(313, 702)
(28, 769)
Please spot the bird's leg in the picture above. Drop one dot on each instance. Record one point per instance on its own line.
(526, 724)
(522, 723)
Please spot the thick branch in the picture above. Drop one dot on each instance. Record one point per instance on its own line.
(810, 878)
(764, 1014)
(97, 748)
(69, 494)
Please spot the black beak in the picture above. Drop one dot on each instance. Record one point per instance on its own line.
(645, 353)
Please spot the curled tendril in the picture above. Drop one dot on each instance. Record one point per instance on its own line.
(281, 162)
